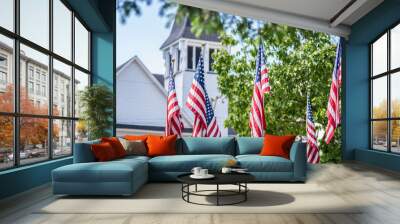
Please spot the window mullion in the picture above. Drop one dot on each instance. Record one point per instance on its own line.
(73, 81)
(371, 89)
(50, 81)
(16, 83)
(389, 106)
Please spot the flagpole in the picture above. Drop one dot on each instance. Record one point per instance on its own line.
(203, 51)
(203, 54)
(170, 64)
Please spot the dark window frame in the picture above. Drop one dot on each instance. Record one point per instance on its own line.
(388, 74)
(190, 58)
(197, 54)
(211, 51)
(178, 65)
(16, 115)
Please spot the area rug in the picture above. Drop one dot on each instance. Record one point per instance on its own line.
(166, 198)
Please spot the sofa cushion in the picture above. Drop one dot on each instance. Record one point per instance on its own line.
(103, 152)
(257, 163)
(134, 147)
(185, 163)
(275, 145)
(116, 145)
(137, 137)
(134, 157)
(161, 145)
(196, 146)
(249, 145)
(112, 171)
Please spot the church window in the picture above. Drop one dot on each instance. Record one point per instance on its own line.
(211, 60)
(190, 57)
(198, 52)
(178, 61)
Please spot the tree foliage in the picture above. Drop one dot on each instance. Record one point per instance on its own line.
(33, 131)
(299, 61)
(203, 21)
(379, 128)
(97, 104)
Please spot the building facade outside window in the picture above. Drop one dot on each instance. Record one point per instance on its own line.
(3, 78)
(385, 93)
(38, 125)
(30, 87)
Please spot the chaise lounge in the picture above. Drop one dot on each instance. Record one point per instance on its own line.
(125, 176)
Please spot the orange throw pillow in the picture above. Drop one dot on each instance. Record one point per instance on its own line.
(136, 137)
(103, 152)
(161, 145)
(277, 145)
(116, 145)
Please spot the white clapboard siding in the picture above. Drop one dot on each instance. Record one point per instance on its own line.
(141, 99)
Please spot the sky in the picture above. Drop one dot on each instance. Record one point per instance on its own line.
(143, 36)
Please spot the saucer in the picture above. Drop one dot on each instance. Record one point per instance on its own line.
(208, 176)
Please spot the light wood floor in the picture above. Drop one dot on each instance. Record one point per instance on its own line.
(378, 189)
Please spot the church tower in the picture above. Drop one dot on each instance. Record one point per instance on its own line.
(185, 48)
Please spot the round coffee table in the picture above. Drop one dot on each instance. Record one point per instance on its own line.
(238, 179)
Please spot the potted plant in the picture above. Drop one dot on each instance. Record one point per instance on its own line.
(96, 103)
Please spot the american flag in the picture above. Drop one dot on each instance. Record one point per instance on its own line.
(205, 123)
(312, 147)
(261, 86)
(173, 124)
(333, 111)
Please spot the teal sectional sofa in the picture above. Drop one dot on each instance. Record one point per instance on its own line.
(125, 176)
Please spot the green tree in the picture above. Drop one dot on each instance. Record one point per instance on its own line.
(299, 61)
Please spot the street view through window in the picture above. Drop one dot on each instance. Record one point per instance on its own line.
(40, 81)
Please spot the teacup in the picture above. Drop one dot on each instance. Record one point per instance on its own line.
(203, 172)
(196, 171)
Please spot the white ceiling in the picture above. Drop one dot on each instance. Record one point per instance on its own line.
(321, 9)
(318, 15)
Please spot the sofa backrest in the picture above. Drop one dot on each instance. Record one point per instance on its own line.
(83, 152)
(193, 146)
(248, 145)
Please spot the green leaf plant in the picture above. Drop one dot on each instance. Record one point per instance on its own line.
(96, 102)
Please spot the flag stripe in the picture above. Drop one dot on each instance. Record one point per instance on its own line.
(204, 124)
(333, 110)
(312, 146)
(261, 86)
(173, 124)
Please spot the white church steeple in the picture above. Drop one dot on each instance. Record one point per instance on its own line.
(185, 48)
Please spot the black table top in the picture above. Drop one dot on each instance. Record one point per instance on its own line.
(220, 178)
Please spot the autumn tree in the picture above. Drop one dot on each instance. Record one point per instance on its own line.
(33, 131)
(379, 128)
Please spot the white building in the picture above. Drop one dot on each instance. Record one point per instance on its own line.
(141, 95)
(34, 82)
(141, 100)
(186, 48)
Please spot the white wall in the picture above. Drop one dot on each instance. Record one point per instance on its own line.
(221, 107)
(139, 101)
